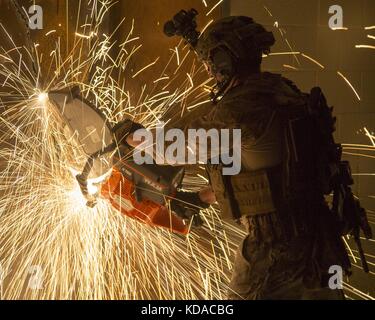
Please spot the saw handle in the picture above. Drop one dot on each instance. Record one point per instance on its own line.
(187, 205)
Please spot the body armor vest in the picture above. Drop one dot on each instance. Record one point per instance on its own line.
(311, 167)
(248, 193)
(276, 188)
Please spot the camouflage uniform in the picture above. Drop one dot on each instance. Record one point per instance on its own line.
(272, 262)
(293, 237)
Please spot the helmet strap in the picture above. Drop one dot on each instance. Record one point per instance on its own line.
(219, 91)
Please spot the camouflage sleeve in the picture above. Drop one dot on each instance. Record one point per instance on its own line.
(203, 132)
(251, 123)
(205, 135)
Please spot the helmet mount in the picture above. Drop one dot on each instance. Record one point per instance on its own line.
(230, 47)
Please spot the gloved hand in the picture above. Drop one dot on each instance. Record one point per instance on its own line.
(125, 128)
(186, 213)
(187, 205)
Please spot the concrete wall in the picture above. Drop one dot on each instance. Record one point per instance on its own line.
(305, 25)
(306, 29)
(59, 26)
(149, 18)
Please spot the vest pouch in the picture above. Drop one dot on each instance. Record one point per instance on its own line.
(221, 191)
(252, 191)
(247, 193)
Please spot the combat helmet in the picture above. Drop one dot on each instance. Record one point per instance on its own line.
(232, 46)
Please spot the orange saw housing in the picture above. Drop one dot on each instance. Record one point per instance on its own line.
(121, 194)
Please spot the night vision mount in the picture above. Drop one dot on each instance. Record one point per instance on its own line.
(183, 24)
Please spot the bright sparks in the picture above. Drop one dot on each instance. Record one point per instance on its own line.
(349, 84)
(45, 225)
(365, 46)
(214, 7)
(42, 97)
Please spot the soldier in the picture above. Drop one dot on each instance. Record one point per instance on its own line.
(293, 237)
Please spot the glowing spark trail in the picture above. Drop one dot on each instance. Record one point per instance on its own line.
(289, 67)
(50, 32)
(363, 46)
(350, 85)
(206, 26)
(339, 28)
(146, 67)
(313, 60)
(214, 7)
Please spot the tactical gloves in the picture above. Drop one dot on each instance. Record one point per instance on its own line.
(187, 205)
(123, 129)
